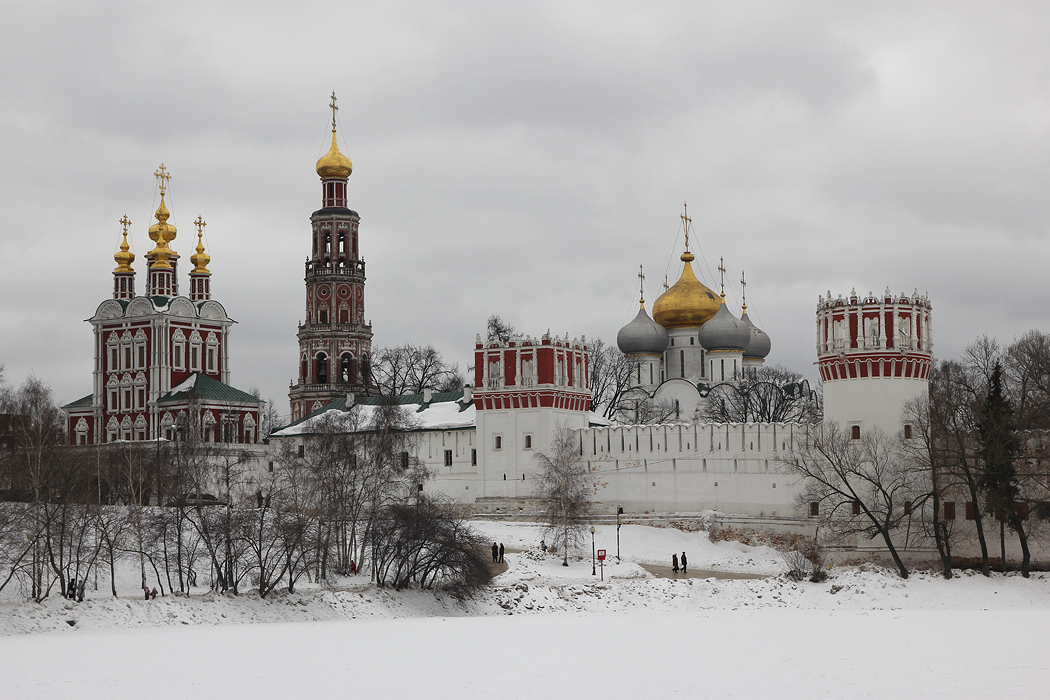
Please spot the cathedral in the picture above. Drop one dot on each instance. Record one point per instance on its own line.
(162, 360)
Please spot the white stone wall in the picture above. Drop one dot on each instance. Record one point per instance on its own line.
(869, 403)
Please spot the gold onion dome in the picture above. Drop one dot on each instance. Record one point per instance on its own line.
(688, 302)
(162, 233)
(124, 257)
(334, 164)
(200, 259)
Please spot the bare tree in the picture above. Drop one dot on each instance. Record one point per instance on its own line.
(611, 373)
(409, 369)
(565, 486)
(498, 329)
(772, 394)
(860, 486)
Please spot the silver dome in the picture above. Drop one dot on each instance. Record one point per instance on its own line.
(642, 335)
(724, 332)
(759, 345)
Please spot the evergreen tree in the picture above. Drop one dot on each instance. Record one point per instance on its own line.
(999, 447)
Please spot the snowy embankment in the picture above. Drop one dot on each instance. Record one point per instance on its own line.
(536, 584)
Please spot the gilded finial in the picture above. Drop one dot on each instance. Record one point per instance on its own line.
(162, 232)
(722, 274)
(334, 164)
(125, 257)
(743, 293)
(641, 287)
(200, 259)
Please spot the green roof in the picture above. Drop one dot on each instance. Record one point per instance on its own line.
(208, 389)
(80, 403)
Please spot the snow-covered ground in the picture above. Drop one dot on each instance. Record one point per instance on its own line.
(547, 631)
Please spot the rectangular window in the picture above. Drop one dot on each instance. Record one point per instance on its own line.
(113, 360)
(473, 458)
(907, 507)
(141, 403)
(302, 450)
(113, 400)
(195, 358)
(211, 359)
(176, 356)
(970, 511)
(528, 442)
(907, 432)
(814, 508)
(949, 510)
(142, 356)
(854, 432)
(499, 442)
(404, 460)
(856, 507)
(127, 357)
(448, 458)
(127, 400)
(270, 467)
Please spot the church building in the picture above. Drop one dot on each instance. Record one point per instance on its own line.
(162, 361)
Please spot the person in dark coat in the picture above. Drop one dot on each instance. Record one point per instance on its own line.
(495, 553)
(153, 593)
(71, 590)
(500, 552)
(674, 563)
(145, 589)
(684, 570)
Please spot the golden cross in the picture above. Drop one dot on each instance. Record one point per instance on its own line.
(200, 223)
(665, 284)
(334, 109)
(641, 286)
(125, 222)
(685, 222)
(722, 270)
(743, 291)
(163, 177)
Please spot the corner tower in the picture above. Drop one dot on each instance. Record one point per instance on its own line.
(874, 355)
(335, 342)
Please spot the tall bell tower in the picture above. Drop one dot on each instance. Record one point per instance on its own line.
(335, 342)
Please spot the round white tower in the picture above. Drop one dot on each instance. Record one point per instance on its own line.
(874, 355)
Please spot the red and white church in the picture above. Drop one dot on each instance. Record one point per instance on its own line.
(162, 360)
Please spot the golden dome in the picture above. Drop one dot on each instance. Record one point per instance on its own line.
(334, 164)
(125, 257)
(200, 259)
(162, 233)
(688, 302)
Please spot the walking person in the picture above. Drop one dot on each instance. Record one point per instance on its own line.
(500, 552)
(495, 553)
(684, 570)
(674, 563)
(71, 590)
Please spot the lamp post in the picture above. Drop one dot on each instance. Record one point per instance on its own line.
(594, 571)
(619, 512)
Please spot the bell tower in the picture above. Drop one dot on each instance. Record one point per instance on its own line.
(335, 342)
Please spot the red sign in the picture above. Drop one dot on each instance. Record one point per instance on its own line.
(601, 555)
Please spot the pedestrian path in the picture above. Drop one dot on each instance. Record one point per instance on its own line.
(666, 572)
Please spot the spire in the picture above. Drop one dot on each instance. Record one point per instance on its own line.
(125, 257)
(124, 274)
(722, 275)
(200, 259)
(334, 165)
(641, 287)
(686, 223)
(743, 293)
(162, 232)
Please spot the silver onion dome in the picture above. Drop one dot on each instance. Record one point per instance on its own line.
(642, 335)
(724, 332)
(759, 345)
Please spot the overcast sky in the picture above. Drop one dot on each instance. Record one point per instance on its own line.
(524, 159)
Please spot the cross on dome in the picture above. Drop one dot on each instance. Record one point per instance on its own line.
(163, 178)
(641, 286)
(722, 274)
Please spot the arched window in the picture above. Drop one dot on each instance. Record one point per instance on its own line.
(321, 368)
(347, 368)
(304, 370)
